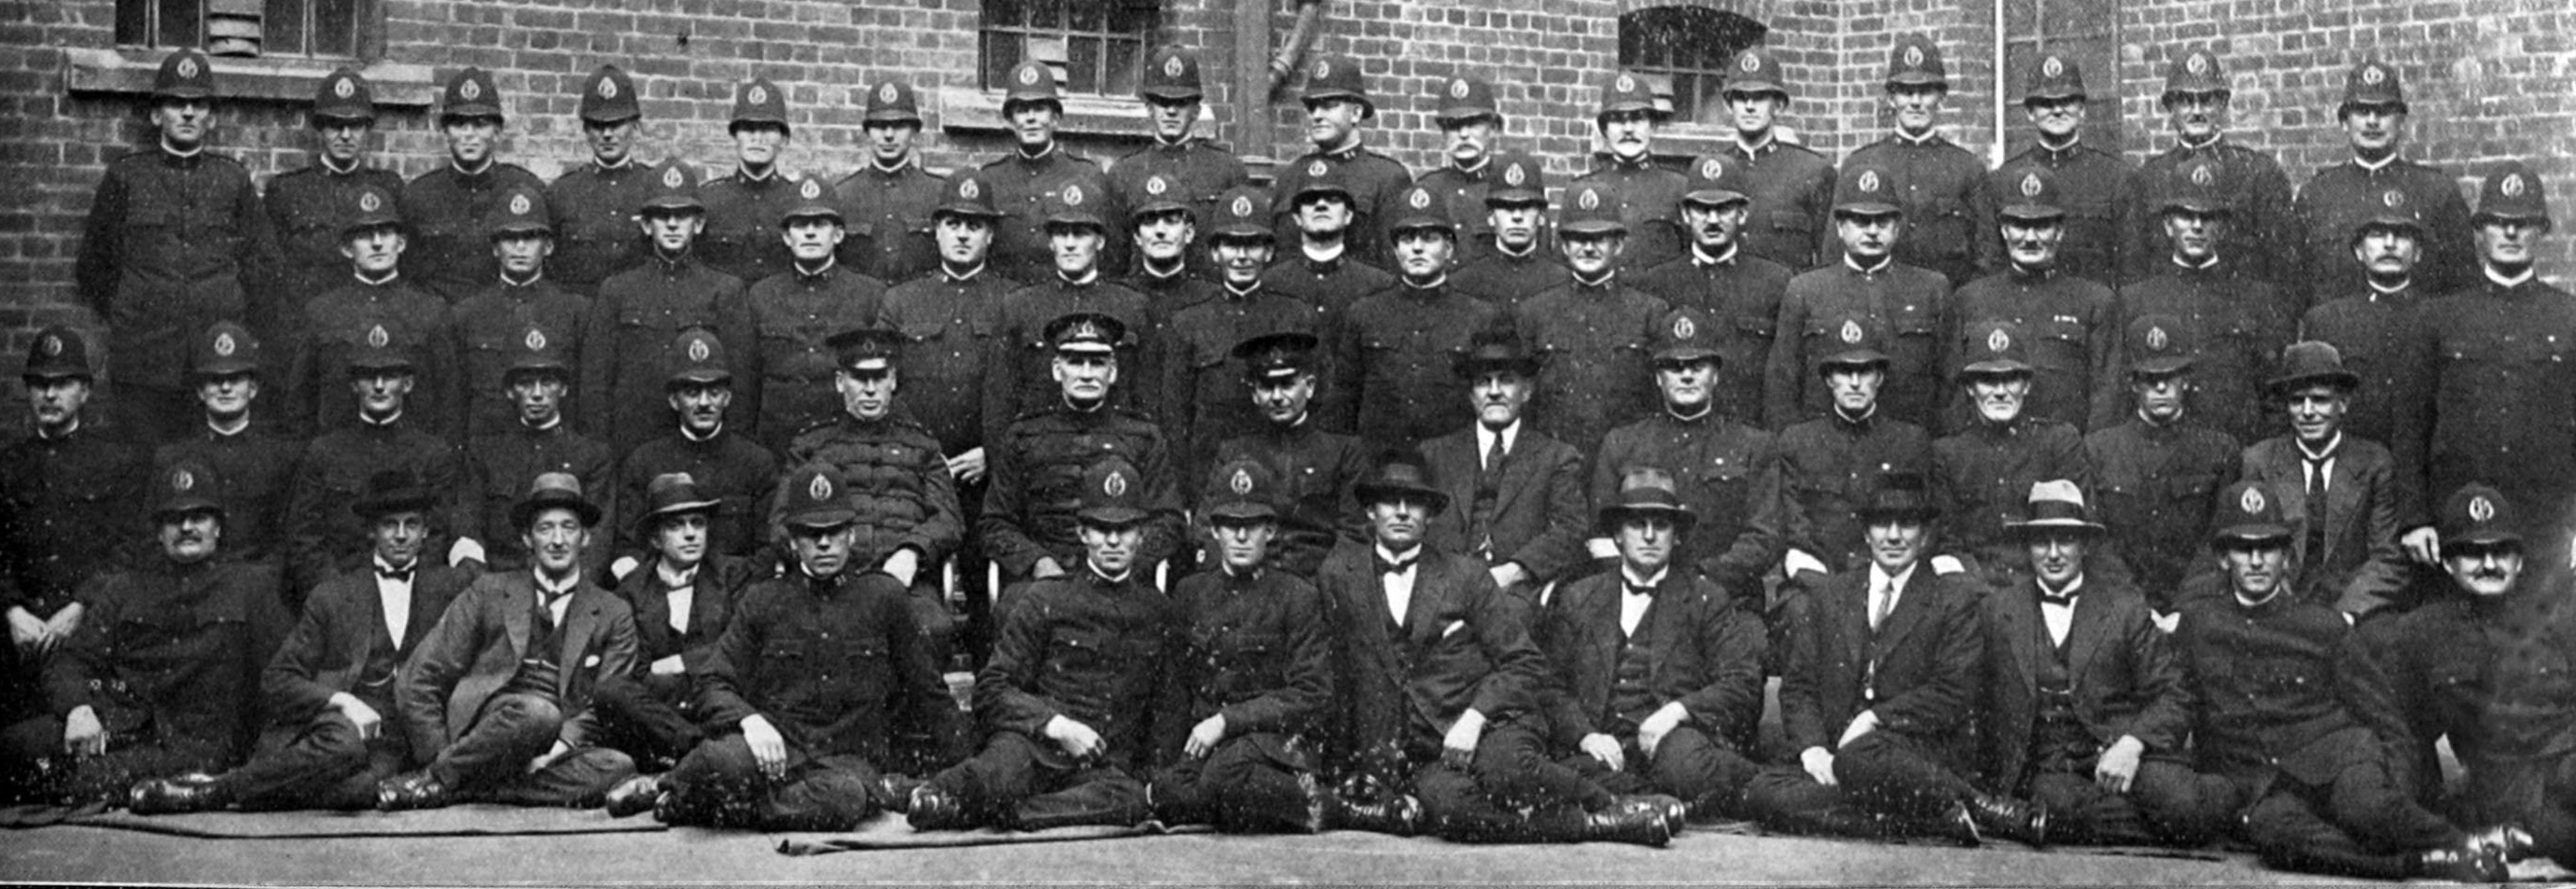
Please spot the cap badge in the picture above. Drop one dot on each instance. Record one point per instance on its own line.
(188, 68)
(2196, 64)
(671, 178)
(2371, 74)
(820, 488)
(1318, 169)
(759, 95)
(1157, 185)
(1323, 68)
(52, 346)
(1028, 75)
(968, 189)
(1869, 181)
(2252, 501)
(344, 88)
(2052, 67)
(1711, 168)
(698, 351)
(2156, 338)
(811, 190)
(1419, 199)
(1683, 329)
(1851, 332)
(1749, 63)
(2480, 509)
(2030, 186)
(1242, 205)
(2393, 198)
(1172, 66)
(376, 337)
(1514, 175)
(370, 202)
(2512, 186)
(1998, 341)
(1625, 84)
(183, 481)
(470, 90)
(1913, 56)
(1115, 485)
(520, 205)
(607, 88)
(536, 340)
(1590, 200)
(1457, 89)
(224, 345)
(1242, 483)
(2201, 176)
(1073, 195)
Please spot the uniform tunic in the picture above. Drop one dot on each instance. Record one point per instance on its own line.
(1088, 649)
(308, 209)
(1205, 399)
(1908, 307)
(743, 224)
(728, 466)
(627, 358)
(1790, 218)
(2072, 330)
(1597, 339)
(1376, 183)
(254, 467)
(1506, 280)
(1315, 470)
(67, 507)
(597, 232)
(2158, 485)
(1728, 473)
(2341, 197)
(492, 329)
(1982, 476)
(1023, 188)
(2262, 223)
(1024, 360)
(1392, 377)
(1949, 211)
(1649, 199)
(1741, 292)
(951, 327)
(2090, 186)
(1035, 486)
(1463, 192)
(324, 537)
(888, 215)
(1331, 285)
(172, 244)
(793, 314)
(449, 214)
(2490, 396)
(2238, 328)
(898, 483)
(507, 461)
(342, 323)
(1830, 466)
(2371, 330)
(1198, 173)
(835, 665)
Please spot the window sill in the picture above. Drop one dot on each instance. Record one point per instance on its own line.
(980, 111)
(282, 79)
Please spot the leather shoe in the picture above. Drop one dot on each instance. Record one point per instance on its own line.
(930, 808)
(1398, 815)
(194, 792)
(893, 791)
(2009, 818)
(418, 790)
(2510, 842)
(1628, 824)
(634, 795)
(1676, 813)
(1958, 825)
(2464, 863)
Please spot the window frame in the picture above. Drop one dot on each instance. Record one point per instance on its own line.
(364, 42)
(1710, 39)
(1102, 69)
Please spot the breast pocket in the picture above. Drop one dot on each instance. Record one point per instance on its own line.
(1075, 652)
(2061, 347)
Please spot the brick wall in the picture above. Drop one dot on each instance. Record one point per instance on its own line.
(2487, 78)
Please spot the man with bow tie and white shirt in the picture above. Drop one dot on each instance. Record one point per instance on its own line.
(682, 599)
(334, 731)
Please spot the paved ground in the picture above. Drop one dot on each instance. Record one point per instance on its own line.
(90, 854)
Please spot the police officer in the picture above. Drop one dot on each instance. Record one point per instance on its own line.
(2246, 183)
(1196, 168)
(308, 207)
(1982, 473)
(1940, 187)
(2294, 711)
(162, 677)
(1254, 681)
(683, 596)
(2338, 490)
(1042, 465)
(1831, 465)
(951, 321)
(506, 460)
(2090, 184)
(1337, 102)
(175, 241)
(1203, 384)
(1311, 470)
(1516, 262)
(1647, 196)
(1163, 225)
(1592, 330)
(1725, 471)
(70, 499)
(1739, 292)
(702, 444)
(638, 313)
(793, 313)
(745, 205)
(906, 518)
(888, 200)
(378, 303)
(251, 459)
(814, 730)
(2375, 181)
(2235, 319)
(1074, 281)
(1790, 188)
(1828, 309)
(2370, 323)
(1038, 174)
(1469, 121)
(1069, 730)
(449, 207)
(2157, 473)
(490, 323)
(1387, 350)
(594, 202)
(323, 537)
(2483, 391)
(1326, 268)
(2075, 372)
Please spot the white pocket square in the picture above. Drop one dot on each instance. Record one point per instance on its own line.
(591, 661)
(1452, 629)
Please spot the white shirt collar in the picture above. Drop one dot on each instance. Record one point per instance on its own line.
(1630, 575)
(371, 421)
(2375, 166)
(2203, 265)
(1511, 435)
(1878, 578)
(687, 433)
(1392, 557)
(553, 589)
(334, 168)
(1884, 262)
(676, 579)
(239, 426)
(2515, 281)
(2073, 588)
(2334, 447)
(958, 277)
(1324, 254)
(1700, 256)
(1506, 250)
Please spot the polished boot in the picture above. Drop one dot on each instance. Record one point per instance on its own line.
(1640, 825)
(192, 792)
(2012, 819)
(634, 795)
(2510, 842)
(1676, 814)
(893, 791)
(1398, 815)
(2467, 862)
(933, 809)
(1958, 825)
(418, 790)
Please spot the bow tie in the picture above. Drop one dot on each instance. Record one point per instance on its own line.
(1397, 567)
(2065, 598)
(402, 575)
(1635, 590)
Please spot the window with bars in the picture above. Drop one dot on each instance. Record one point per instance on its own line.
(243, 27)
(1098, 44)
(1691, 45)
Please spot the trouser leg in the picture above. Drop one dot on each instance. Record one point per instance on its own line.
(580, 779)
(106, 777)
(1512, 765)
(644, 720)
(1700, 770)
(988, 784)
(1454, 807)
(828, 793)
(1259, 783)
(1786, 798)
(306, 770)
(2291, 833)
(2367, 799)
(512, 730)
(1890, 773)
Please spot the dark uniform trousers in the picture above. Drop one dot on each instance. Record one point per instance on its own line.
(655, 717)
(1596, 339)
(1908, 307)
(626, 350)
(450, 214)
(172, 244)
(2092, 184)
(743, 216)
(950, 327)
(2297, 715)
(2157, 486)
(595, 209)
(1392, 383)
(1790, 217)
(168, 658)
(492, 330)
(1741, 293)
(888, 214)
(1256, 649)
(1088, 649)
(790, 386)
(838, 668)
(2237, 326)
(1692, 647)
(1949, 211)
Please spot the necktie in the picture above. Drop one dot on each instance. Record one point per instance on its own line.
(401, 575)
(1635, 590)
(2316, 472)
(1494, 455)
(1402, 565)
(1882, 599)
(2049, 598)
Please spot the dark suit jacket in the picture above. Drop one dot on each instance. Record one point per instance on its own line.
(1922, 662)
(1706, 654)
(2125, 679)
(477, 646)
(1460, 647)
(331, 643)
(2362, 567)
(1540, 517)
(720, 579)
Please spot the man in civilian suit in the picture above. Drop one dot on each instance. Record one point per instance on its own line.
(2337, 490)
(334, 731)
(681, 599)
(1519, 492)
(498, 697)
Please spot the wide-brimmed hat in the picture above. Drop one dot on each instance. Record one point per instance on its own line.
(673, 493)
(1901, 496)
(553, 490)
(1496, 349)
(1647, 491)
(1400, 474)
(1113, 495)
(1242, 490)
(2248, 512)
(2056, 505)
(2310, 362)
(391, 491)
